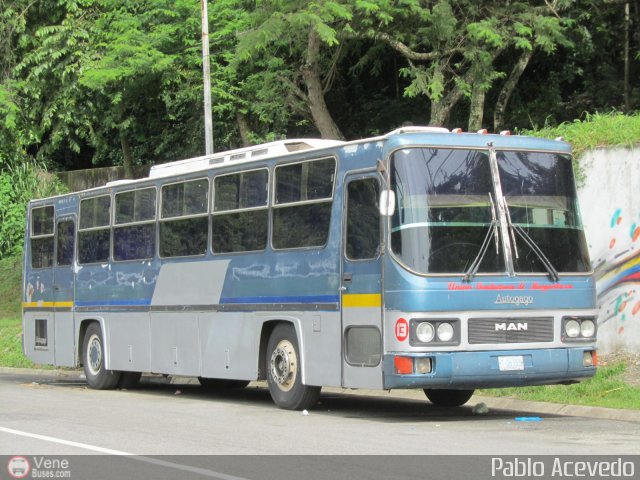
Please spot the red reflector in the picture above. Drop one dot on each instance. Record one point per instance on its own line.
(404, 365)
(594, 355)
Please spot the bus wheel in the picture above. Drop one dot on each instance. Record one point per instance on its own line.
(284, 373)
(222, 383)
(97, 375)
(448, 398)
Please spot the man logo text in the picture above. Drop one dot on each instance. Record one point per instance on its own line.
(511, 327)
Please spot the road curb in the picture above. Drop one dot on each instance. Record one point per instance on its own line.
(540, 408)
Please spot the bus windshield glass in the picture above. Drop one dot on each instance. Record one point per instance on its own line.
(540, 192)
(445, 211)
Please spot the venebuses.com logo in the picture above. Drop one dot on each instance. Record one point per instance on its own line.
(18, 467)
(38, 467)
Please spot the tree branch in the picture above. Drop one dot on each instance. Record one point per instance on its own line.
(407, 52)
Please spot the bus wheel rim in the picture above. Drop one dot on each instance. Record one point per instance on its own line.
(284, 365)
(94, 355)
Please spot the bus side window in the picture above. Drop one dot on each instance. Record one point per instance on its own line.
(303, 198)
(42, 238)
(94, 234)
(240, 212)
(134, 231)
(363, 219)
(184, 223)
(65, 244)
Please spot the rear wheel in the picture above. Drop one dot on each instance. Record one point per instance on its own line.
(284, 371)
(448, 398)
(222, 383)
(93, 351)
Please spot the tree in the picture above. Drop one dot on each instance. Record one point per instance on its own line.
(300, 38)
(452, 47)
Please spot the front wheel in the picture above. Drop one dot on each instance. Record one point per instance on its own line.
(284, 371)
(448, 398)
(93, 350)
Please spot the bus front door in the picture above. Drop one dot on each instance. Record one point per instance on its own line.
(361, 288)
(63, 292)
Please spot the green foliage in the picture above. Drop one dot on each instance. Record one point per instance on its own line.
(11, 286)
(83, 82)
(607, 389)
(596, 130)
(11, 344)
(19, 183)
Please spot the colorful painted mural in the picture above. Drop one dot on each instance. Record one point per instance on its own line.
(610, 205)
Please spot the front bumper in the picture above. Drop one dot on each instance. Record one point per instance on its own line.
(470, 370)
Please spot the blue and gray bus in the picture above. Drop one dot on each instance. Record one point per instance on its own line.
(422, 258)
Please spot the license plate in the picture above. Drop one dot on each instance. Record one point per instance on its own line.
(511, 363)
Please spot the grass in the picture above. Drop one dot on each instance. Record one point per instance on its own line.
(607, 388)
(595, 131)
(10, 287)
(11, 344)
(10, 314)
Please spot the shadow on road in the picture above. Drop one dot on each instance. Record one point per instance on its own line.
(347, 404)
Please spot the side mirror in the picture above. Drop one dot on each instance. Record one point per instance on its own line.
(387, 203)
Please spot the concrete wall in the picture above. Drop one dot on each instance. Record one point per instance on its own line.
(610, 206)
(78, 180)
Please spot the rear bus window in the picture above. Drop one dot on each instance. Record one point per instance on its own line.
(42, 239)
(302, 207)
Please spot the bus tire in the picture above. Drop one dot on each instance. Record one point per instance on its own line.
(222, 383)
(448, 398)
(93, 350)
(284, 371)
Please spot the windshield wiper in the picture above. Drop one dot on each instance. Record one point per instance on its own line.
(514, 227)
(493, 228)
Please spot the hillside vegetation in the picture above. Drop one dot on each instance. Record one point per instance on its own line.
(595, 131)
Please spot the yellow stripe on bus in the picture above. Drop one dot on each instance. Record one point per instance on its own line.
(47, 304)
(350, 300)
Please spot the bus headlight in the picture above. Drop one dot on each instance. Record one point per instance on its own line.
(588, 328)
(445, 332)
(579, 329)
(425, 332)
(572, 328)
(436, 332)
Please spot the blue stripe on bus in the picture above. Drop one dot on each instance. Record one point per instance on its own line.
(283, 299)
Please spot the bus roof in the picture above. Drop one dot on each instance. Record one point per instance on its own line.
(404, 136)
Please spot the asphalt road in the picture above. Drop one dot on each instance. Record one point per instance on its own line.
(46, 414)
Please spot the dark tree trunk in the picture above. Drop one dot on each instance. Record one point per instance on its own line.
(441, 110)
(243, 128)
(311, 76)
(476, 111)
(126, 155)
(508, 88)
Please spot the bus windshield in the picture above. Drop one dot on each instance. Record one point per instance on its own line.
(445, 220)
(445, 210)
(540, 192)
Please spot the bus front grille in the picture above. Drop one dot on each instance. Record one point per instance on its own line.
(510, 330)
